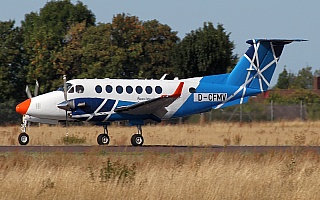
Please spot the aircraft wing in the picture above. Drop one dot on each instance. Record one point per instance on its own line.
(154, 106)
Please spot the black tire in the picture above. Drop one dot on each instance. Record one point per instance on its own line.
(103, 139)
(137, 140)
(23, 139)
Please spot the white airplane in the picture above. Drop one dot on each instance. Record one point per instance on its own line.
(102, 101)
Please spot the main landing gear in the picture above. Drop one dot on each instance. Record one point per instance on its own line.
(104, 139)
(136, 139)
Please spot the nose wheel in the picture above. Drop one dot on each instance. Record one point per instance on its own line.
(23, 139)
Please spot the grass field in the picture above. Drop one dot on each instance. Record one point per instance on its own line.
(160, 176)
(219, 133)
(192, 175)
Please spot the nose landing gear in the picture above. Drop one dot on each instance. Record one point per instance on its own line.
(23, 138)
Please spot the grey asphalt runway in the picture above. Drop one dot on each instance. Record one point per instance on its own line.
(159, 149)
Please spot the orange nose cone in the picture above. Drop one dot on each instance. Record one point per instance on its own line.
(23, 107)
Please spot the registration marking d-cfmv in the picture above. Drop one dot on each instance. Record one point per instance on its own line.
(210, 97)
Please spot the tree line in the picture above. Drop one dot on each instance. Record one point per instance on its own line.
(64, 39)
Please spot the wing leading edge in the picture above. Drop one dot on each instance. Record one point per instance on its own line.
(156, 106)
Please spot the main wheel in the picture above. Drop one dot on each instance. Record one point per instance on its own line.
(23, 139)
(137, 140)
(103, 139)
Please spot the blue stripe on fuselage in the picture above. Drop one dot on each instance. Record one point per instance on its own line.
(209, 84)
(92, 104)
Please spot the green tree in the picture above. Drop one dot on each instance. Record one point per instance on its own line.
(157, 42)
(205, 51)
(126, 45)
(316, 73)
(127, 48)
(12, 62)
(68, 59)
(304, 78)
(283, 79)
(12, 73)
(98, 52)
(45, 34)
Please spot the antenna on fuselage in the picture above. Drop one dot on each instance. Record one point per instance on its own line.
(163, 77)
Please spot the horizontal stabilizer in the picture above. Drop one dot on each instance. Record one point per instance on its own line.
(275, 41)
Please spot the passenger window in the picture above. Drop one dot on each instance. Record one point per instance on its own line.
(79, 88)
(158, 90)
(192, 90)
(98, 89)
(129, 89)
(149, 90)
(119, 89)
(139, 89)
(109, 88)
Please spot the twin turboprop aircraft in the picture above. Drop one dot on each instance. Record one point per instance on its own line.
(138, 101)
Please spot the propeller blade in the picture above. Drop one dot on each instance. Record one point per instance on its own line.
(65, 87)
(28, 92)
(66, 99)
(36, 88)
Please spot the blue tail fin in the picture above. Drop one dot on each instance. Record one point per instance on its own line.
(255, 68)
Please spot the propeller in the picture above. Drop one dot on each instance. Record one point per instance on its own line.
(36, 90)
(26, 123)
(65, 87)
(29, 95)
(66, 99)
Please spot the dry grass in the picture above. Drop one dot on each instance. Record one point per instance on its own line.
(153, 176)
(218, 133)
(192, 175)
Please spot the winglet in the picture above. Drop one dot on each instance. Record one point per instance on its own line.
(177, 92)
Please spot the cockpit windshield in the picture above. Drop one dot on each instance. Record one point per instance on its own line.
(69, 85)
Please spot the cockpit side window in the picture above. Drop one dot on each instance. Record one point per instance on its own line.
(71, 90)
(61, 88)
(79, 88)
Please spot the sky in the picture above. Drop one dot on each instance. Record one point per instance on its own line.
(245, 19)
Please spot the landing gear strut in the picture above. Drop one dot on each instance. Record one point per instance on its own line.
(137, 139)
(23, 137)
(104, 139)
